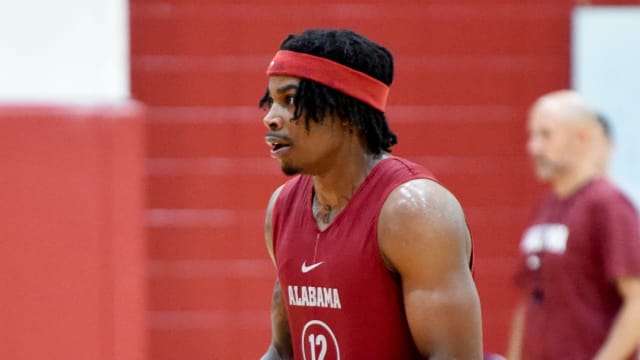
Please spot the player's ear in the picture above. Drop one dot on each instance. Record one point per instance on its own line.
(348, 126)
(587, 135)
(344, 122)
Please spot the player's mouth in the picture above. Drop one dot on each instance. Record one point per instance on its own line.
(279, 145)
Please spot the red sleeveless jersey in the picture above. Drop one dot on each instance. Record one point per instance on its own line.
(341, 300)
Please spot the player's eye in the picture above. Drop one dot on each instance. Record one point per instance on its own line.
(290, 99)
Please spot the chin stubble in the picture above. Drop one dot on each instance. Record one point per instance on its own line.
(290, 170)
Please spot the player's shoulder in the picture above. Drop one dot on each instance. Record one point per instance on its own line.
(274, 197)
(421, 216)
(424, 201)
(404, 167)
(421, 194)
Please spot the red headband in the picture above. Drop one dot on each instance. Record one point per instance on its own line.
(336, 76)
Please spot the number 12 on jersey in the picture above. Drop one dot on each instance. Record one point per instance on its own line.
(315, 342)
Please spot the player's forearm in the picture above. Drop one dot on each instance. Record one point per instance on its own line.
(280, 348)
(273, 354)
(471, 354)
(624, 335)
(517, 330)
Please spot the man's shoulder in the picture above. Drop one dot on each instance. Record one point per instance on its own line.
(397, 163)
(422, 198)
(604, 192)
(421, 215)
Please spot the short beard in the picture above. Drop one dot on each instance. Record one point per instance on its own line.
(549, 170)
(290, 170)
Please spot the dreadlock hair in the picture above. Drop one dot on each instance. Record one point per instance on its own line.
(314, 101)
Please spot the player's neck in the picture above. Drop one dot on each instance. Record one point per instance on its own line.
(335, 187)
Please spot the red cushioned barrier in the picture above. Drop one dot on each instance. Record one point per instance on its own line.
(71, 239)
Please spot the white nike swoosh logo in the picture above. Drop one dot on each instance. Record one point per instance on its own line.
(306, 269)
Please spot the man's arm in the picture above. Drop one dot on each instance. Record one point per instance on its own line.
(424, 238)
(517, 332)
(280, 348)
(624, 335)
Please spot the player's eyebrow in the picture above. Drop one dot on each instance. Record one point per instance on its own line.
(286, 88)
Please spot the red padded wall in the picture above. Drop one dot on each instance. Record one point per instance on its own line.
(71, 240)
(466, 71)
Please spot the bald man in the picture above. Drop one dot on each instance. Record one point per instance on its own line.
(580, 268)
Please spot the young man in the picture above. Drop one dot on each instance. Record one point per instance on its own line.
(373, 256)
(580, 270)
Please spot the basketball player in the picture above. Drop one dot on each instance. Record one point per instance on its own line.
(372, 255)
(581, 255)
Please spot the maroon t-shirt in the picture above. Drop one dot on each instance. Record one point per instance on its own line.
(341, 301)
(572, 253)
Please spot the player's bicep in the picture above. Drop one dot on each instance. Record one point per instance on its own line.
(445, 320)
(423, 236)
